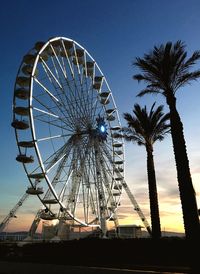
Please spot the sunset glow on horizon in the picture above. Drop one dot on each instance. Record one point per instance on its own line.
(114, 34)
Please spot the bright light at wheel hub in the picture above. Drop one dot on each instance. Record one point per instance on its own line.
(102, 129)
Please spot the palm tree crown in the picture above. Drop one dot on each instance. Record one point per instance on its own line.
(146, 128)
(166, 69)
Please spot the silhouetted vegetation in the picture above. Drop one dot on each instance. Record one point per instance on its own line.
(165, 70)
(171, 252)
(145, 128)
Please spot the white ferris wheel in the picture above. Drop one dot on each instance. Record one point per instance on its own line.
(67, 131)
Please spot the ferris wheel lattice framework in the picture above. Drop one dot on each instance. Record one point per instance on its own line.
(67, 130)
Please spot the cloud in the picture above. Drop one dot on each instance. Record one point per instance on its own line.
(121, 216)
(168, 194)
(29, 211)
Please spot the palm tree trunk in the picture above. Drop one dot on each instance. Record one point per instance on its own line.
(187, 193)
(154, 209)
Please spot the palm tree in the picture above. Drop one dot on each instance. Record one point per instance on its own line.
(145, 129)
(165, 69)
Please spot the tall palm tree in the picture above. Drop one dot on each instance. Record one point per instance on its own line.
(145, 129)
(165, 69)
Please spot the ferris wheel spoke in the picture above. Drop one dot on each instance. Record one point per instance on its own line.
(69, 99)
(81, 193)
(83, 99)
(107, 183)
(89, 97)
(80, 69)
(68, 60)
(58, 62)
(61, 195)
(94, 106)
(64, 118)
(100, 111)
(63, 58)
(59, 95)
(85, 204)
(91, 108)
(58, 76)
(54, 137)
(105, 186)
(56, 161)
(57, 155)
(80, 104)
(50, 74)
(100, 194)
(76, 58)
(46, 90)
(79, 89)
(61, 167)
(108, 152)
(86, 192)
(59, 122)
(72, 197)
(64, 66)
(47, 113)
(77, 179)
(52, 158)
(92, 202)
(54, 124)
(86, 195)
(76, 191)
(71, 194)
(96, 110)
(89, 103)
(74, 111)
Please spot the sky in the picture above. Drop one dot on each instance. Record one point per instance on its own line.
(114, 32)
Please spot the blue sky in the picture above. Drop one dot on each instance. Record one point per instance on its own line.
(114, 32)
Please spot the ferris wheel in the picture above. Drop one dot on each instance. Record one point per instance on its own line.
(67, 130)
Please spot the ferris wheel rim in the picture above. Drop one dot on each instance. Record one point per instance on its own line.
(32, 125)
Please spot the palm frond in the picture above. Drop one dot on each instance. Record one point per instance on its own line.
(192, 60)
(187, 78)
(166, 68)
(130, 135)
(146, 127)
(148, 91)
